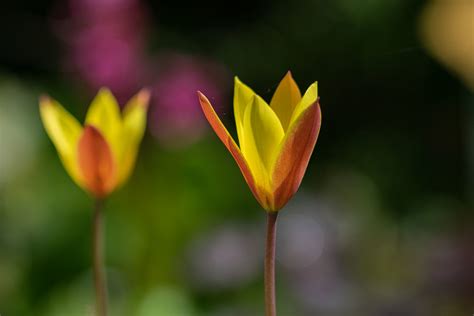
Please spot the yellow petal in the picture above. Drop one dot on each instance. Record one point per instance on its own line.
(104, 114)
(285, 99)
(64, 131)
(134, 124)
(309, 97)
(243, 96)
(262, 136)
(232, 147)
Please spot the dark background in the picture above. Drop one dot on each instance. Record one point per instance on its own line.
(382, 224)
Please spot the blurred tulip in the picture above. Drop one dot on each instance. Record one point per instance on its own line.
(276, 140)
(100, 156)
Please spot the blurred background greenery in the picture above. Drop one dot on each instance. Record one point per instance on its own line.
(382, 224)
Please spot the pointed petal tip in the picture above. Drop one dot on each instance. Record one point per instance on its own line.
(200, 94)
(144, 96)
(238, 81)
(202, 98)
(44, 100)
(103, 92)
(289, 76)
(104, 89)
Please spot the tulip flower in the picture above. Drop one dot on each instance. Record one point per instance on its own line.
(275, 144)
(99, 157)
(276, 140)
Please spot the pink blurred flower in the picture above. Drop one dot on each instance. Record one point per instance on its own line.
(101, 8)
(176, 116)
(105, 41)
(102, 59)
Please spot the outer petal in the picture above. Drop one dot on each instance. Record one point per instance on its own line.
(96, 162)
(65, 131)
(262, 136)
(295, 153)
(309, 97)
(104, 114)
(229, 143)
(134, 124)
(243, 96)
(285, 99)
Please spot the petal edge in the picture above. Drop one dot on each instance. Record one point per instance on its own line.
(64, 131)
(284, 100)
(134, 125)
(104, 114)
(296, 151)
(229, 143)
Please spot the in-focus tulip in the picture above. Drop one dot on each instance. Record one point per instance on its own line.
(100, 156)
(275, 140)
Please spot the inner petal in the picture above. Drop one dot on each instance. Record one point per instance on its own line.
(309, 97)
(285, 99)
(262, 135)
(243, 96)
(104, 114)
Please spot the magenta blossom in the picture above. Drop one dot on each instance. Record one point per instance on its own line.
(105, 42)
(175, 111)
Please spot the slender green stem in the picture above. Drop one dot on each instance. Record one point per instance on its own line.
(270, 300)
(100, 281)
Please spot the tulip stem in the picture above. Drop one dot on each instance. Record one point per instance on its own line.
(100, 281)
(270, 300)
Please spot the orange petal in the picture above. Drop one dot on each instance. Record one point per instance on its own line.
(229, 143)
(285, 99)
(96, 162)
(295, 153)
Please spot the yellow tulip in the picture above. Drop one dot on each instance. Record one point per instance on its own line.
(100, 156)
(276, 140)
